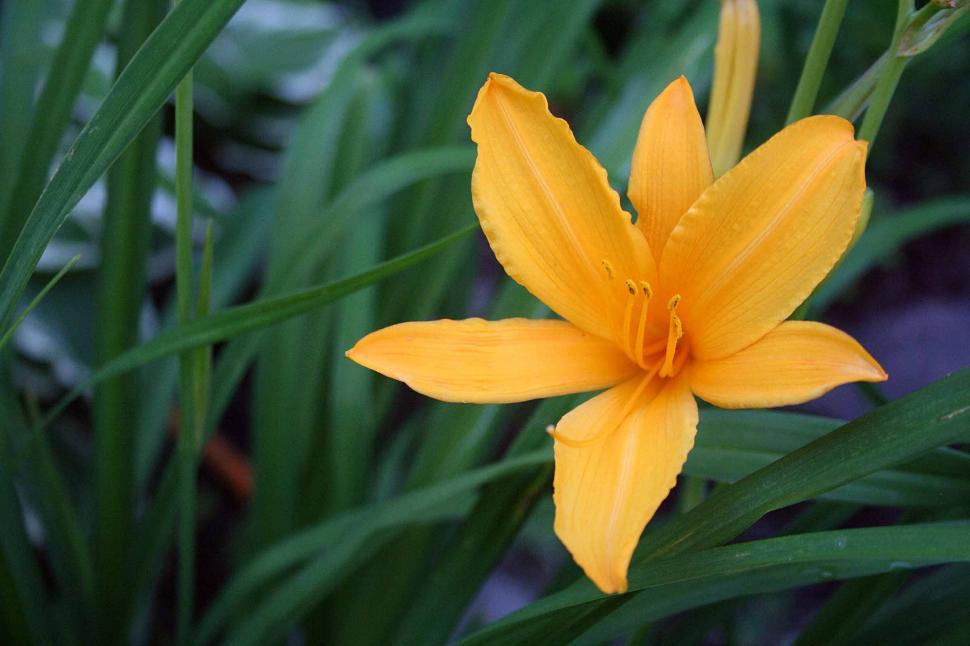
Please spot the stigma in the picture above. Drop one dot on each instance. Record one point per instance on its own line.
(634, 330)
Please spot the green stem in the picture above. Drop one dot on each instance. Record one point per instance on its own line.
(186, 452)
(817, 60)
(186, 535)
(121, 283)
(36, 301)
(881, 97)
(888, 79)
(183, 198)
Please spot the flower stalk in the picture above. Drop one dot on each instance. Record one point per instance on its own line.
(817, 60)
(188, 437)
(889, 78)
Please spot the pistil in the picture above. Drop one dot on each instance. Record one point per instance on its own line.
(675, 330)
(632, 401)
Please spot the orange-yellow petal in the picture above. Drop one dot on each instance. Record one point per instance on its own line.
(599, 416)
(671, 167)
(605, 493)
(795, 362)
(547, 209)
(493, 361)
(757, 242)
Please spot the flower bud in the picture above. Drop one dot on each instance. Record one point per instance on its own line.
(735, 66)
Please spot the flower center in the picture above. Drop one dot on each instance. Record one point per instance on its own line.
(657, 348)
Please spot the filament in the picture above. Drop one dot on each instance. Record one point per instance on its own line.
(675, 330)
(624, 413)
(642, 323)
(627, 316)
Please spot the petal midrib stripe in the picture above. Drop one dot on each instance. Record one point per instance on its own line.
(557, 208)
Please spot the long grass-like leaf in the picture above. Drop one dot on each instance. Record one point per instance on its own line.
(21, 583)
(140, 91)
(26, 454)
(20, 67)
(924, 609)
(733, 444)
(470, 555)
(242, 233)
(286, 384)
(674, 584)
(421, 505)
(36, 301)
(51, 114)
(252, 316)
(193, 364)
(852, 604)
(125, 242)
(349, 414)
(368, 190)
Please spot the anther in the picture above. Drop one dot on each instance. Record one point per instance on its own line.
(609, 269)
(627, 314)
(642, 323)
(675, 331)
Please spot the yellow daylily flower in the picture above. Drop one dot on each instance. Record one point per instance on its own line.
(688, 301)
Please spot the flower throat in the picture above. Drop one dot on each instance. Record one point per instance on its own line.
(663, 356)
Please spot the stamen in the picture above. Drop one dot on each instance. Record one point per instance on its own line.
(627, 315)
(642, 323)
(679, 362)
(656, 346)
(609, 268)
(609, 276)
(675, 331)
(627, 409)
